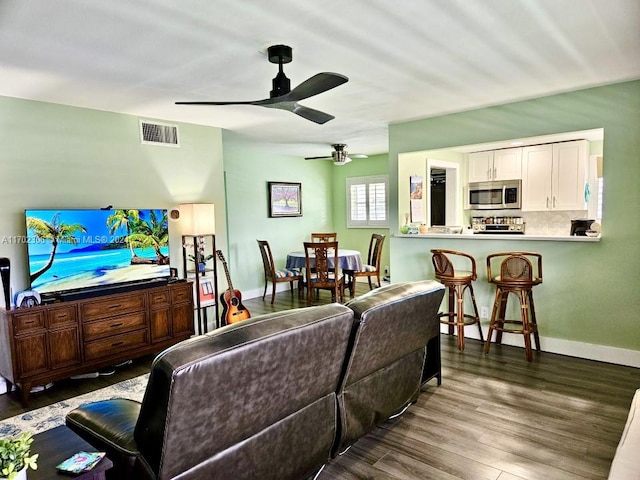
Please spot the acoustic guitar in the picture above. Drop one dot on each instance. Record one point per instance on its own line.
(232, 309)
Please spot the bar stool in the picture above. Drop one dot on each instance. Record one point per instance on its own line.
(517, 276)
(457, 282)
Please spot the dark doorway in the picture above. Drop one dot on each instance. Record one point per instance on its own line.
(438, 196)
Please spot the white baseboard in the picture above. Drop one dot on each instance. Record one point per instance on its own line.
(589, 351)
(280, 287)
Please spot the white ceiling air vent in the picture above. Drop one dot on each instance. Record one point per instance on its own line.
(154, 133)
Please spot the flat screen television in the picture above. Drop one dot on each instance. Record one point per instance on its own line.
(71, 250)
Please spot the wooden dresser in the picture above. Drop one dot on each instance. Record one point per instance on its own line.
(50, 342)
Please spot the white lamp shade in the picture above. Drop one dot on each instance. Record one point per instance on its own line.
(198, 219)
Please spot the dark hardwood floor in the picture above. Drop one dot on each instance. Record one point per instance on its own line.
(62, 390)
(498, 417)
(494, 417)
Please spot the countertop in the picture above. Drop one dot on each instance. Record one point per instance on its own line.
(500, 236)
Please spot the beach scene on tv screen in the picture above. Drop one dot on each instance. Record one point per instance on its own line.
(75, 249)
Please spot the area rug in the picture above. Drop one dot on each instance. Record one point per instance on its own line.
(51, 416)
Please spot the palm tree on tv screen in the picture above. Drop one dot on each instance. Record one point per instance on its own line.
(122, 219)
(152, 233)
(57, 232)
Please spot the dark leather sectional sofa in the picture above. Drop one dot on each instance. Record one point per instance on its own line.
(273, 397)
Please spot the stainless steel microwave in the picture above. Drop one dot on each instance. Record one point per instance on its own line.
(494, 195)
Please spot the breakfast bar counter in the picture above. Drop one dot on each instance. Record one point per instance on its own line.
(499, 236)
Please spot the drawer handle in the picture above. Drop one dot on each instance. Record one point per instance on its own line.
(115, 325)
(117, 344)
(29, 322)
(114, 306)
(62, 316)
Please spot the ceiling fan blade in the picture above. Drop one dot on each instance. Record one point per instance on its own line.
(266, 101)
(318, 158)
(315, 85)
(314, 115)
(358, 155)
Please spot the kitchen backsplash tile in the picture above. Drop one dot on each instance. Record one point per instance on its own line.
(555, 223)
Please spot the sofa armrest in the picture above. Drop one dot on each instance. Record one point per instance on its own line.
(109, 422)
(108, 425)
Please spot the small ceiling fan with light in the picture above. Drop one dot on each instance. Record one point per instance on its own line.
(340, 156)
(283, 97)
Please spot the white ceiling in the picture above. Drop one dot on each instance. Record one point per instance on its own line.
(405, 59)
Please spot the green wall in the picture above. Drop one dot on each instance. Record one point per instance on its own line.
(590, 291)
(249, 165)
(56, 156)
(357, 238)
(62, 156)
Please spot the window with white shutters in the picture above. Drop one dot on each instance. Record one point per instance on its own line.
(367, 201)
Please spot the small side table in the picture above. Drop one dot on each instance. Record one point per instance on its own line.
(56, 445)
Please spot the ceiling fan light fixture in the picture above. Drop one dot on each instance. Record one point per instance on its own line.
(340, 155)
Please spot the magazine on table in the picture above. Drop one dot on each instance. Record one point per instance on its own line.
(80, 462)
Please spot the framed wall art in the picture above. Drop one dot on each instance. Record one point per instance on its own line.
(285, 199)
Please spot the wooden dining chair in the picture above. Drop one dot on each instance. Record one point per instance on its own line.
(276, 276)
(371, 268)
(324, 237)
(319, 275)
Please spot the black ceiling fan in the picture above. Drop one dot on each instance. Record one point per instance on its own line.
(340, 156)
(286, 99)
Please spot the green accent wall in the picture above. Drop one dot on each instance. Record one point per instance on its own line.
(57, 156)
(358, 238)
(249, 166)
(590, 291)
(69, 157)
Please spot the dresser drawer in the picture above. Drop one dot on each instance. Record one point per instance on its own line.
(61, 316)
(159, 298)
(116, 344)
(181, 293)
(108, 308)
(28, 322)
(113, 326)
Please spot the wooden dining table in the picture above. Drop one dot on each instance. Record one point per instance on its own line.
(347, 259)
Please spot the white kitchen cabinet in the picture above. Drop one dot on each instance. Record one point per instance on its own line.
(504, 164)
(571, 162)
(537, 164)
(480, 166)
(554, 176)
(507, 164)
